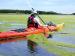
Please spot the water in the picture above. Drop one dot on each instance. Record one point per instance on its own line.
(20, 48)
(2, 22)
(66, 39)
(11, 25)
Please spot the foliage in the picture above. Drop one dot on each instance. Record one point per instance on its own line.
(26, 11)
(73, 13)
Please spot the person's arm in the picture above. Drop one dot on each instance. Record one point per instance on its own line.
(37, 20)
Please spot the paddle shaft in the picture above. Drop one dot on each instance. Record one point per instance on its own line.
(41, 19)
(43, 22)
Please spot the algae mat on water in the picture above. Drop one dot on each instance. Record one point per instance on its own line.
(52, 46)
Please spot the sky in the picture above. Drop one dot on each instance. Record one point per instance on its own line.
(60, 6)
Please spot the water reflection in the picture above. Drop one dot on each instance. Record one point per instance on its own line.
(3, 41)
(31, 46)
(6, 44)
(15, 47)
(19, 47)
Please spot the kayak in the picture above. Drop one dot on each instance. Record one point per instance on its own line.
(31, 30)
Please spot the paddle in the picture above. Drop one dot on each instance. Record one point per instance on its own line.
(39, 17)
(43, 22)
(47, 26)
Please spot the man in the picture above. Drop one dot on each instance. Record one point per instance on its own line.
(33, 20)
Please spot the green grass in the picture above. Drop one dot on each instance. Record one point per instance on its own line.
(8, 18)
(13, 18)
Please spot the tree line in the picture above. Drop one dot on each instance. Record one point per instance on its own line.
(29, 12)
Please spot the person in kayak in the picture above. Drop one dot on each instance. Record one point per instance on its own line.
(33, 20)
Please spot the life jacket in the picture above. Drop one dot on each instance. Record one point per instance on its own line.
(31, 22)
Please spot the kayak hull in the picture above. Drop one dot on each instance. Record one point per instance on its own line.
(30, 31)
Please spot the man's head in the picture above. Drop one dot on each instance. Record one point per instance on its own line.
(34, 13)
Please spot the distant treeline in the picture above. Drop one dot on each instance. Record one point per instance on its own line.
(29, 12)
(73, 13)
(15, 11)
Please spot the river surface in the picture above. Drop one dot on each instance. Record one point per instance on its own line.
(20, 48)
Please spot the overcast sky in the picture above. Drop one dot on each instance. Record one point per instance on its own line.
(60, 6)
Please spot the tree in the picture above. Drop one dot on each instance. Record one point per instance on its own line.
(26, 11)
(73, 13)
